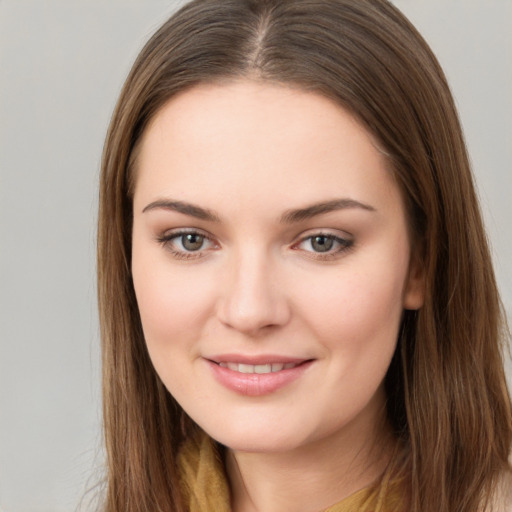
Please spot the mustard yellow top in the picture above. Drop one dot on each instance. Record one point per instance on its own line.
(204, 484)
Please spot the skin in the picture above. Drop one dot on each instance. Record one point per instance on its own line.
(260, 284)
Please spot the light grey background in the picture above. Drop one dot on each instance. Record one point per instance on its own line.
(62, 64)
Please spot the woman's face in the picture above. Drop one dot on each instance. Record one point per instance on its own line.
(271, 264)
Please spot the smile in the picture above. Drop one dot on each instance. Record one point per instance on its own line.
(257, 376)
(257, 368)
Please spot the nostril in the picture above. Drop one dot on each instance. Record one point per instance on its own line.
(250, 300)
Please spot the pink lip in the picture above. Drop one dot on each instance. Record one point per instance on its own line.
(259, 359)
(254, 384)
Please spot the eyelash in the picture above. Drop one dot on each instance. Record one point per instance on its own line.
(167, 240)
(344, 245)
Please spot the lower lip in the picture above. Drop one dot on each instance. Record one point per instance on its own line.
(257, 384)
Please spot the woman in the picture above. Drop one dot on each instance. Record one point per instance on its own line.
(297, 302)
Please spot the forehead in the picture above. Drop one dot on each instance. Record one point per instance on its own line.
(247, 141)
(246, 108)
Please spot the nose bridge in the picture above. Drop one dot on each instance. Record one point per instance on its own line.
(252, 298)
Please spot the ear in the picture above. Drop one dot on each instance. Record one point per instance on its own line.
(414, 291)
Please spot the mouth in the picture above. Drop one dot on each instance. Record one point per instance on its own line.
(258, 368)
(257, 376)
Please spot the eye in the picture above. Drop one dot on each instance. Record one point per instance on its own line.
(191, 241)
(187, 244)
(325, 245)
(321, 243)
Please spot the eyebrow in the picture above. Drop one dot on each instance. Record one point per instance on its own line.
(301, 214)
(288, 217)
(182, 207)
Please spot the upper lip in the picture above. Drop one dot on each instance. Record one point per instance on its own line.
(256, 359)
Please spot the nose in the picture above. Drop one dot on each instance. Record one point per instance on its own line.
(252, 300)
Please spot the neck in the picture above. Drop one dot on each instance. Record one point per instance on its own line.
(312, 477)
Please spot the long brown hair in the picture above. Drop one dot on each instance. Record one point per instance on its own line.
(447, 395)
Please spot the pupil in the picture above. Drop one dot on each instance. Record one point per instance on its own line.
(192, 242)
(322, 243)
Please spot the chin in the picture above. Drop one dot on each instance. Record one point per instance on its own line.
(258, 439)
(255, 444)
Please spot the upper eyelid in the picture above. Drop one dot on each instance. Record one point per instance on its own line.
(333, 233)
(339, 239)
(176, 232)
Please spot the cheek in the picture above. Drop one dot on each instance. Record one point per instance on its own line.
(173, 303)
(356, 319)
(174, 308)
(355, 308)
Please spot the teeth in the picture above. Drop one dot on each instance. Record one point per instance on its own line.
(263, 368)
(246, 368)
(257, 368)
